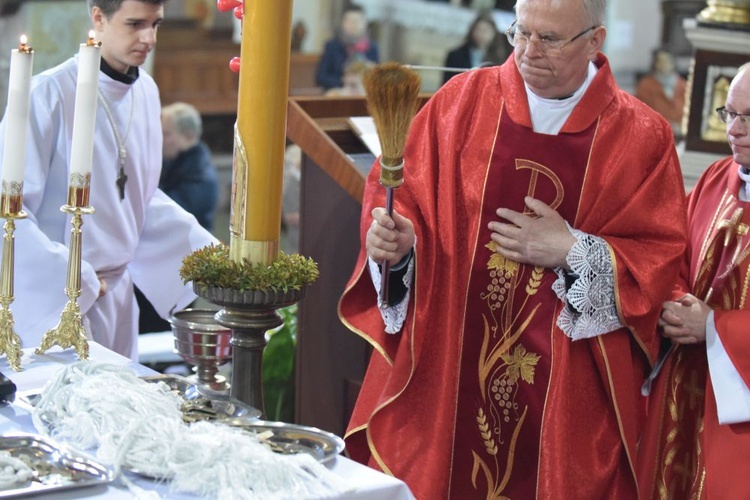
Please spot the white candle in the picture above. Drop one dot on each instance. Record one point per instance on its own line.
(17, 118)
(82, 147)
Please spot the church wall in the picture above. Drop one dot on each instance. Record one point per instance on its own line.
(55, 29)
(634, 29)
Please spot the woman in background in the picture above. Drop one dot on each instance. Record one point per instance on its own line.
(484, 46)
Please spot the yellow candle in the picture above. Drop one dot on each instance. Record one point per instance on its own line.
(261, 127)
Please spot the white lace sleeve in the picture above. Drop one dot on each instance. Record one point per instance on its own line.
(592, 294)
(393, 316)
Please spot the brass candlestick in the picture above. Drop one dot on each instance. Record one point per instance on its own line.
(69, 331)
(10, 343)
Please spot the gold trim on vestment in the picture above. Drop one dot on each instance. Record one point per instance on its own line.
(377, 409)
(620, 425)
(726, 200)
(366, 427)
(375, 345)
(676, 411)
(466, 287)
(504, 364)
(586, 172)
(357, 429)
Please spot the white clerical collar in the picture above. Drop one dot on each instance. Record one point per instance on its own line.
(744, 194)
(549, 115)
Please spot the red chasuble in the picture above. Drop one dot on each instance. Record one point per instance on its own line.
(481, 395)
(686, 453)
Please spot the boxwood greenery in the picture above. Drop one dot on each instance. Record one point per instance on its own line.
(212, 266)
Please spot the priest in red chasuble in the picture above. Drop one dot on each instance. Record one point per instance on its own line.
(538, 231)
(698, 439)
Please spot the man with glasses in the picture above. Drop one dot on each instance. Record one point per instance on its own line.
(535, 237)
(701, 448)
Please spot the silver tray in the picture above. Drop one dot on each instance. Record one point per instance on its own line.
(55, 466)
(291, 438)
(199, 402)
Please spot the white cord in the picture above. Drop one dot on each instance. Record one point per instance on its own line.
(138, 425)
(13, 471)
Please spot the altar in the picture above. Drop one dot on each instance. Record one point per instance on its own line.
(368, 484)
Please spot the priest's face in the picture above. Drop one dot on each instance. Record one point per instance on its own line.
(554, 43)
(129, 34)
(738, 134)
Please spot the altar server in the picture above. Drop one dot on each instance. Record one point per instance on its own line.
(137, 235)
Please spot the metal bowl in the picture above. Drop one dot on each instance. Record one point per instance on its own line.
(202, 342)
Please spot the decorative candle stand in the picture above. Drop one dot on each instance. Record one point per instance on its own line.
(69, 331)
(249, 314)
(10, 343)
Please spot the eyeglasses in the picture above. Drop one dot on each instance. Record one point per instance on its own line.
(547, 43)
(727, 116)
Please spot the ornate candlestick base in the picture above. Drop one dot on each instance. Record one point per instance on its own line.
(10, 343)
(249, 315)
(69, 331)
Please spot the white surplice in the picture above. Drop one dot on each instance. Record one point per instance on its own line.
(140, 239)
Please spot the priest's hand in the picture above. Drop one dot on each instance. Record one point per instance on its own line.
(389, 238)
(684, 320)
(540, 239)
(102, 287)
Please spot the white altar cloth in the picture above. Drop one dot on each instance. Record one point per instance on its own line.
(37, 369)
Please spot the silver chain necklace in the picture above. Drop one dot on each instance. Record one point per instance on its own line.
(122, 152)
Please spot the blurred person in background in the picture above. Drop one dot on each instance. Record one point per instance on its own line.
(352, 80)
(351, 43)
(188, 175)
(663, 89)
(484, 45)
(291, 199)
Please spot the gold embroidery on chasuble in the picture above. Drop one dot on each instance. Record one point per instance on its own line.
(682, 470)
(721, 280)
(506, 356)
(723, 253)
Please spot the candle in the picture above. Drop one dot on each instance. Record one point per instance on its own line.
(261, 125)
(84, 119)
(16, 119)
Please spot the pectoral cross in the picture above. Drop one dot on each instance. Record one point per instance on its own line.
(122, 178)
